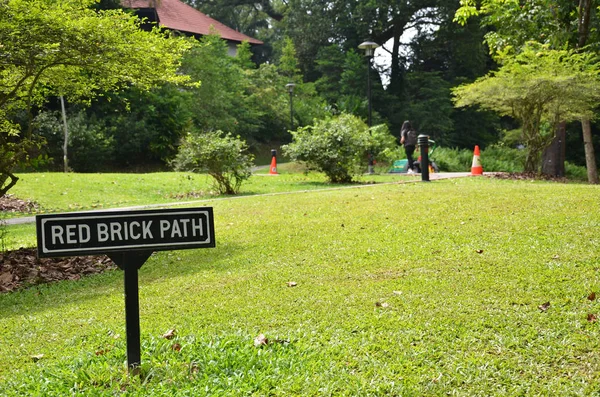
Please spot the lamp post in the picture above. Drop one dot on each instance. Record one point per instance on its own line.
(290, 88)
(369, 48)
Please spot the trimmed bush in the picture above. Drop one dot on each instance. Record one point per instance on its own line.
(222, 156)
(338, 146)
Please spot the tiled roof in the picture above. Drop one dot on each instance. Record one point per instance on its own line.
(173, 14)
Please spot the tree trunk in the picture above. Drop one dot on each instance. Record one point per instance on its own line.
(590, 157)
(553, 159)
(585, 9)
(396, 73)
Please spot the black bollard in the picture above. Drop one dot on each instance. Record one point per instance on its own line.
(423, 141)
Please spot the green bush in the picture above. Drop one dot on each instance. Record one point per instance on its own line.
(452, 160)
(222, 156)
(576, 172)
(494, 158)
(338, 146)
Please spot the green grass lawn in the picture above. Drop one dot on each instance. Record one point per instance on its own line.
(59, 192)
(407, 289)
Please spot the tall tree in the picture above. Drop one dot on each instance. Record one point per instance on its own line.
(66, 48)
(540, 88)
(558, 23)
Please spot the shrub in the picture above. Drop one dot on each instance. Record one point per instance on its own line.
(495, 158)
(338, 146)
(222, 156)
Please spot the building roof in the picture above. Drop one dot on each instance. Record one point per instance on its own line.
(175, 15)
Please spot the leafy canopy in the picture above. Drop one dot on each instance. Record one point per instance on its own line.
(538, 87)
(50, 48)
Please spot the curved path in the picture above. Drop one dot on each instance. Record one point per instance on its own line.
(432, 177)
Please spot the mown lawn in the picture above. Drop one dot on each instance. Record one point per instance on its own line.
(464, 287)
(58, 192)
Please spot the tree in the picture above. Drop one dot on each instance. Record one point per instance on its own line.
(558, 23)
(539, 87)
(66, 48)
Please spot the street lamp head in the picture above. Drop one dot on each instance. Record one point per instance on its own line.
(290, 87)
(368, 47)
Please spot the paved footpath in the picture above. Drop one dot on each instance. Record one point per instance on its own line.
(432, 177)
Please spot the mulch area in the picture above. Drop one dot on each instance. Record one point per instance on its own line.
(22, 268)
(529, 176)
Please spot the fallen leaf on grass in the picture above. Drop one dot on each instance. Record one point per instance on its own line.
(479, 251)
(260, 340)
(102, 352)
(592, 296)
(176, 347)
(170, 334)
(592, 318)
(37, 357)
(544, 307)
(397, 292)
(382, 304)
(291, 283)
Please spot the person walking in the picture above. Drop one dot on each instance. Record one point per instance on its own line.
(408, 138)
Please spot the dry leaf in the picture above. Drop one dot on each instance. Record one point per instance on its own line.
(170, 334)
(397, 292)
(544, 307)
(479, 251)
(291, 283)
(102, 352)
(260, 340)
(592, 296)
(37, 357)
(176, 347)
(6, 278)
(592, 318)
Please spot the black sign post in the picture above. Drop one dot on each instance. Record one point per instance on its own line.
(128, 238)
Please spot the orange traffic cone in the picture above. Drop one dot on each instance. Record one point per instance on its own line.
(273, 169)
(476, 168)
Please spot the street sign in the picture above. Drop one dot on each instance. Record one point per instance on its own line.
(128, 238)
(99, 232)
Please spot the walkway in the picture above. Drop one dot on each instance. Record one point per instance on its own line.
(432, 177)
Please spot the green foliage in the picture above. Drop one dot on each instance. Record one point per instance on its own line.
(288, 64)
(67, 48)
(539, 87)
(220, 103)
(427, 91)
(337, 146)
(220, 155)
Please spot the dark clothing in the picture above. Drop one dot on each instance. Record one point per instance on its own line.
(410, 149)
(410, 136)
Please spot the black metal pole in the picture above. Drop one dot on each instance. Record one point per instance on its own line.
(291, 111)
(369, 89)
(130, 262)
(132, 316)
(370, 116)
(423, 141)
